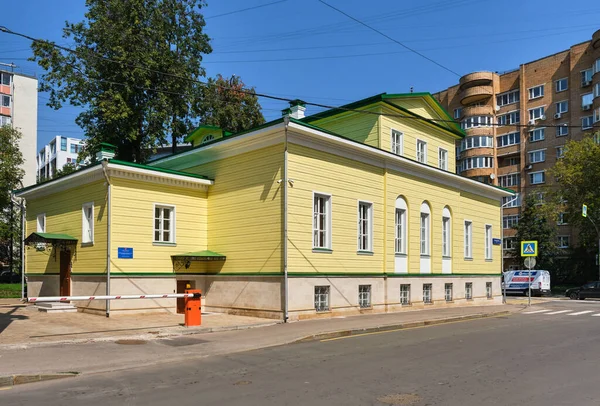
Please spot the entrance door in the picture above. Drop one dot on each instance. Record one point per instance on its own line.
(65, 273)
(181, 301)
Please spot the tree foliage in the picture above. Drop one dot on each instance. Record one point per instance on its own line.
(11, 174)
(536, 223)
(134, 70)
(223, 104)
(65, 170)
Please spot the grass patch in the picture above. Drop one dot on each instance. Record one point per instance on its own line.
(10, 290)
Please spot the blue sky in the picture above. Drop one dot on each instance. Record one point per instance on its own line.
(303, 49)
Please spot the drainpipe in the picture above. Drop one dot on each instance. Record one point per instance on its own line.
(104, 170)
(23, 231)
(286, 121)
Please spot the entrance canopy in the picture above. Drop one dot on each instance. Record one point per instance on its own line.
(205, 255)
(56, 240)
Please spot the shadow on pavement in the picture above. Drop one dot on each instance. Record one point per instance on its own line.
(8, 317)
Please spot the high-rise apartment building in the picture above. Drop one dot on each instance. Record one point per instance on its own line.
(56, 154)
(518, 122)
(18, 107)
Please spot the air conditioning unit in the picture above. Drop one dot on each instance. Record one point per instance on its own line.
(586, 83)
(557, 116)
(497, 108)
(586, 107)
(543, 117)
(531, 122)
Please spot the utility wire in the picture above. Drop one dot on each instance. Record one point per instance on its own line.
(245, 9)
(390, 38)
(250, 92)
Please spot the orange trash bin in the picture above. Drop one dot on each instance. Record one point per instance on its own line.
(193, 311)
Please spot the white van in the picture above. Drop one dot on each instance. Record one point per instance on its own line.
(517, 282)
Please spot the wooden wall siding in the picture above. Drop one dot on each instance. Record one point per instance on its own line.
(359, 127)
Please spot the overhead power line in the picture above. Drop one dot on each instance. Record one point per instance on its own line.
(390, 38)
(250, 92)
(245, 9)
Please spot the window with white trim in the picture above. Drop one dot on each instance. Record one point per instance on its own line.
(509, 243)
(536, 92)
(514, 179)
(364, 296)
(561, 219)
(511, 201)
(446, 232)
(537, 156)
(41, 223)
(509, 97)
(425, 229)
(207, 138)
(476, 121)
(587, 100)
(87, 223)
(397, 142)
(479, 141)
(562, 106)
(562, 85)
(563, 241)
(536, 178)
(488, 290)
(514, 117)
(405, 294)
(365, 226)
(597, 115)
(560, 152)
(508, 139)
(421, 151)
(476, 162)
(536, 113)
(427, 293)
(448, 292)
(539, 134)
(596, 66)
(586, 77)
(469, 290)
(587, 122)
(488, 241)
(5, 78)
(5, 120)
(322, 298)
(562, 130)
(6, 100)
(468, 239)
(164, 224)
(443, 159)
(510, 221)
(457, 113)
(400, 226)
(321, 221)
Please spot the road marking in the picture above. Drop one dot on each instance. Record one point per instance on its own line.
(559, 312)
(583, 312)
(410, 328)
(6, 388)
(597, 314)
(537, 311)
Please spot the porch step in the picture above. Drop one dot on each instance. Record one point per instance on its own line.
(56, 307)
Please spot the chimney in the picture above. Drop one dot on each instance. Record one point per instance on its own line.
(296, 109)
(107, 151)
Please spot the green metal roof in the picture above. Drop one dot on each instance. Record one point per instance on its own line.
(205, 255)
(156, 169)
(49, 238)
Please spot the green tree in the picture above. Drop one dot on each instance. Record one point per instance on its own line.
(11, 174)
(65, 170)
(134, 69)
(228, 104)
(536, 223)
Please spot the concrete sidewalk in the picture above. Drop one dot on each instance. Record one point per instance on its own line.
(151, 349)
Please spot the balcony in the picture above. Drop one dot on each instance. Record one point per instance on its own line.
(596, 41)
(477, 79)
(480, 131)
(476, 94)
(487, 110)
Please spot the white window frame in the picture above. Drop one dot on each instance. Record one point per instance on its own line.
(562, 130)
(405, 294)
(536, 113)
(397, 142)
(557, 83)
(532, 177)
(446, 233)
(561, 239)
(365, 226)
(511, 94)
(509, 221)
(87, 224)
(587, 122)
(537, 156)
(421, 155)
(172, 221)
(443, 158)
(207, 138)
(590, 96)
(586, 76)
(534, 138)
(560, 151)
(41, 225)
(509, 180)
(364, 296)
(561, 219)
(512, 138)
(401, 214)
(322, 298)
(428, 293)
(6, 97)
(448, 292)
(468, 239)
(425, 230)
(488, 242)
(316, 230)
(531, 92)
(469, 290)
(489, 290)
(457, 113)
(509, 118)
(559, 105)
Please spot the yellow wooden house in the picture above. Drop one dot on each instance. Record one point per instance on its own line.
(357, 209)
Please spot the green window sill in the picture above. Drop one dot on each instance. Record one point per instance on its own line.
(364, 252)
(322, 250)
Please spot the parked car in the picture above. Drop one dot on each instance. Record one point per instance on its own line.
(589, 290)
(9, 277)
(518, 282)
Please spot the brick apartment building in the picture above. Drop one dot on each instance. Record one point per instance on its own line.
(518, 122)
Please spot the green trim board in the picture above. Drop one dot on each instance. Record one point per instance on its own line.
(153, 168)
(290, 274)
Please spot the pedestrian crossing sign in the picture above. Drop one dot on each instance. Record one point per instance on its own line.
(584, 210)
(529, 248)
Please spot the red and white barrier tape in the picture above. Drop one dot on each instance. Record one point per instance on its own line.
(116, 297)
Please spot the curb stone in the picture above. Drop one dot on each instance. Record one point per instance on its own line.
(12, 380)
(399, 326)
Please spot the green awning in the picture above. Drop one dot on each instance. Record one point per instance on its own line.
(205, 255)
(48, 238)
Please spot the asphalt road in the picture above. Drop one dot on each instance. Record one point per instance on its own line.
(546, 358)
